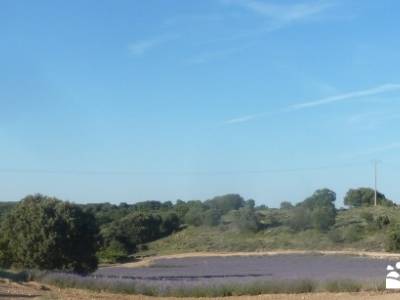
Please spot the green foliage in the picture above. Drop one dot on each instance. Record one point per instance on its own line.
(246, 220)
(250, 203)
(132, 230)
(367, 216)
(114, 252)
(317, 211)
(5, 255)
(320, 198)
(350, 231)
(270, 218)
(5, 208)
(194, 216)
(335, 236)
(382, 221)
(169, 223)
(181, 209)
(353, 233)
(212, 217)
(342, 285)
(123, 236)
(393, 239)
(365, 197)
(227, 203)
(323, 217)
(46, 233)
(223, 223)
(286, 205)
(300, 219)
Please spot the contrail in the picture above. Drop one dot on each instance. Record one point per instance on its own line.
(352, 95)
(385, 88)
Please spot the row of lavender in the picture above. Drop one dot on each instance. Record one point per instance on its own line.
(237, 275)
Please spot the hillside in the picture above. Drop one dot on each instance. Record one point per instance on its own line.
(357, 229)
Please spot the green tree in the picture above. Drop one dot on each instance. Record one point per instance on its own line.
(286, 205)
(114, 252)
(169, 223)
(320, 198)
(393, 239)
(132, 230)
(212, 217)
(323, 217)
(246, 220)
(181, 208)
(227, 202)
(299, 219)
(317, 211)
(365, 197)
(47, 233)
(194, 216)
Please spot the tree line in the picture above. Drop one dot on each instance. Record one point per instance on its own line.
(41, 232)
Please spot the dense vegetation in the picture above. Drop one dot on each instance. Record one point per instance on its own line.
(46, 233)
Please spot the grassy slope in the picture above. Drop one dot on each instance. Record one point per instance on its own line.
(343, 237)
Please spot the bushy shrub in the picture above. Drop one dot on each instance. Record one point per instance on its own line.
(365, 197)
(132, 230)
(392, 243)
(367, 216)
(212, 217)
(194, 216)
(227, 203)
(353, 233)
(114, 252)
(246, 220)
(47, 233)
(342, 285)
(286, 205)
(300, 219)
(335, 236)
(317, 211)
(323, 217)
(382, 221)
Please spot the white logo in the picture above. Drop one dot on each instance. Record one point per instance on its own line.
(393, 277)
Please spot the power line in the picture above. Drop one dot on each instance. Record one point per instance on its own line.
(200, 173)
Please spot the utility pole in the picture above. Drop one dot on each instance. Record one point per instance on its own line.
(376, 182)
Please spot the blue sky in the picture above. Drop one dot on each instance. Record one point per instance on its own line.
(136, 100)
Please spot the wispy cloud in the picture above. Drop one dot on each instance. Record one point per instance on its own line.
(277, 16)
(242, 119)
(138, 48)
(193, 18)
(207, 56)
(284, 13)
(385, 88)
(348, 96)
(247, 118)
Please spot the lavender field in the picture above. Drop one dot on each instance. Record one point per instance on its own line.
(222, 270)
